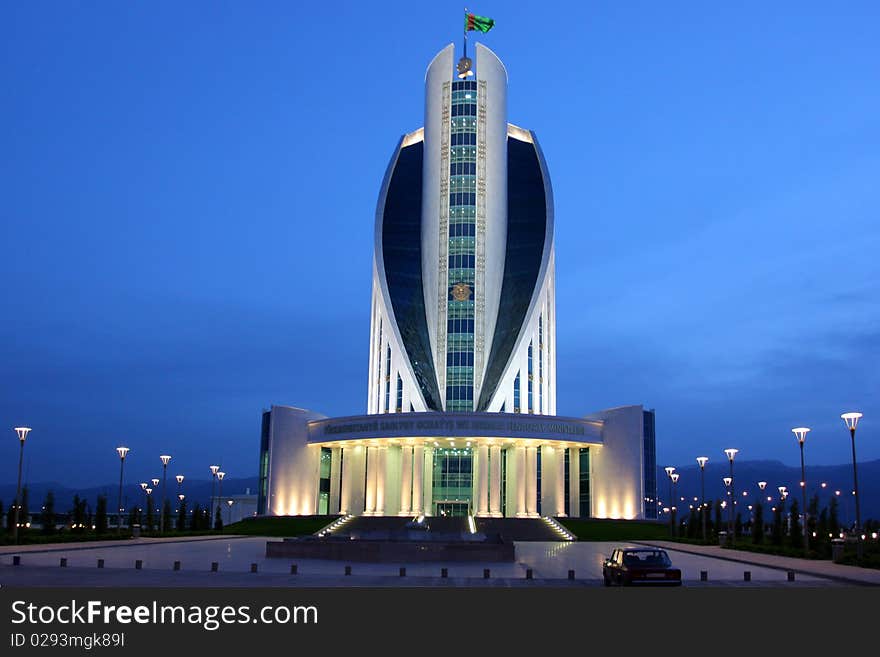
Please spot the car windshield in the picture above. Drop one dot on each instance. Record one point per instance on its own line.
(647, 558)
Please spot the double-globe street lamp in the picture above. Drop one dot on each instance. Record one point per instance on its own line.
(214, 469)
(165, 458)
(220, 475)
(702, 460)
(852, 421)
(801, 434)
(669, 470)
(123, 452)
(22, 436)
(731, 453)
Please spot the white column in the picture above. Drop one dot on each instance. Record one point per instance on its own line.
(381, 471)
(428, 478)
(481, 468)
(406, 471)
(531, 481)
(574, 480)
(520, 453)
(559, 488)
(372, 465)
(495, 481)
(418, 468)
(335, 467)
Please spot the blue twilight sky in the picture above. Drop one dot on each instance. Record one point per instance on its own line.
(187, 195)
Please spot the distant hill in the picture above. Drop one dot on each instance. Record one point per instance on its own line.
(195, 491)
(747, 474)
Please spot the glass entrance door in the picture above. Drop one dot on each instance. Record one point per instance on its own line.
(458, 509)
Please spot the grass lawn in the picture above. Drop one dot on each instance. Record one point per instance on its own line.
(615, 530)
(279, 525)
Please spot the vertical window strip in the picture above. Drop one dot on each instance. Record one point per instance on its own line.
(399, 394)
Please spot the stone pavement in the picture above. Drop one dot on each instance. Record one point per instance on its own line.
(811, 567)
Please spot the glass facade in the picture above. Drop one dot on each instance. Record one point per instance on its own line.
(531, 381)
(516, 405)
(650, 464)
(540, 364)
(584, 482)
(461, 247)
(324, 481)
(263, 488)
(388, 381)
(567, 485)
(453, 480)
(538, 486)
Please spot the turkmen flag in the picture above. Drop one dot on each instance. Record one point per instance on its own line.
(473, 22)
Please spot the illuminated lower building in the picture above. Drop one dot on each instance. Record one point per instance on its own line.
(461, 396)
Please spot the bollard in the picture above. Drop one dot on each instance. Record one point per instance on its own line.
(176, 565)
(704, 575)
(402, 572)
(293, 569)
(570, 574)
(444, 572)
(747, 575)
(100, 563)
(63, 563)
(790, 575)
(138, 564)
(16, 560)
(528, 573)
(348, 570)
(485, 573)
(253, 567)
(214, 566)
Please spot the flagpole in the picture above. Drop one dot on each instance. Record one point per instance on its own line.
(465, 32)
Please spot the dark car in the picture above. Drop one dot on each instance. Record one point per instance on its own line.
(648, 566)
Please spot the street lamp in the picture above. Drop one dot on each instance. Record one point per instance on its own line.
(669, 470)
(731, 453)
(801, 434)
(22, 436)
(674, 477)
(229, 503)
(214, 469)
(220, 476)
(165, 458)
(122, 451)
(852, 421)
(702, 460)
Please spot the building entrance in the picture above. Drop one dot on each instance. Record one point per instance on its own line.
(449, 509)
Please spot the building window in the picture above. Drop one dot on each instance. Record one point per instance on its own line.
(399, 394)
(538, 487)
(504, 482)
(379, 370)
(452, 488)
(516, 394)
(541, 364)
(388, 381)
(567, 485)
(263, 488)
(529, 382)
(584, 482)
(324, 481)
(650, 456)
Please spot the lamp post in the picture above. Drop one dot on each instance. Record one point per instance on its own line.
(22, 436)
(761, 486)
(214, 469)
(220, 475)
(731, 453)
(122, 451)
(674, 477)
(702, 460)
(801, 434)
(229, 503)
(669, 470)
(852, 421)
(148, 506)
(165, 458)
(728, 482)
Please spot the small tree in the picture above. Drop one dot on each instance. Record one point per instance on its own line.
(718, 521)
(101, 515)
(758, 524)
(1, 511)
(181, 517)
(777, 525)
(195, 522)
(48, 515)
(166, 515)
(149, 514)
(133, 517)
(796, 535)
(738, 525)
(834, 517)
(78, 514)
(218, 520)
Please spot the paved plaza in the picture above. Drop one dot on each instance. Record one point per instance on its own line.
(235, 556)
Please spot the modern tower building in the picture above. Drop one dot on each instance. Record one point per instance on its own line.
(462, 342)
